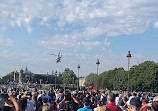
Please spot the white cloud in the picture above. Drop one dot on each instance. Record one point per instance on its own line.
(90, 45)
(156, 25)
(90, 22)
(115, 17)
(106, 43)
(60, 42)
(5, 42)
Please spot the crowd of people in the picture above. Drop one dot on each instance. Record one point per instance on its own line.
(66, 100)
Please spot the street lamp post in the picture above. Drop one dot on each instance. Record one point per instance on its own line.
(128, 56)
(47, 77)
(78, 77)
(97, 73)
(55, 79)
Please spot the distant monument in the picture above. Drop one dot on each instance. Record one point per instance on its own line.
(20, 75)
(15, 75)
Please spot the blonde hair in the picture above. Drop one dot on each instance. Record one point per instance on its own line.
(47, 107)
(103, 108)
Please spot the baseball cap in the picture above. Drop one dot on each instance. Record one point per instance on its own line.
(2, 101)
(135, 102)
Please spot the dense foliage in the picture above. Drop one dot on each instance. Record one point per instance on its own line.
(143, 77)
(67, 77)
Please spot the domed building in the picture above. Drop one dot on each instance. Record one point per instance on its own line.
(27, 75)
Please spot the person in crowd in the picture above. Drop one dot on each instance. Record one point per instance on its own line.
(149, 97)
(86, 103)
(39, 100)
(134, 104)
(111, 103)
(22, 104)
(102, 108)
(69, 103)
(47, 107)
(125, 99)
(144, 102)
(44, 101)
(48, 97)
(121, 105)
(117, 99)
(103, 97)
(153, 105)
(6, 98)
(40, 95)
(98, 105)
(59, 96)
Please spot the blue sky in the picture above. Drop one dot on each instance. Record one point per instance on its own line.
(82, 30)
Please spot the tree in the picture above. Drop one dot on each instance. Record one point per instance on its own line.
(68, 76)
(91, 80)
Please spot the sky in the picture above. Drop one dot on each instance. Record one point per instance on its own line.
(82, 30)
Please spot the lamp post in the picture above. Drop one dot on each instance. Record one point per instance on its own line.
(97, 73)
(78, 67)
(128, 56)
(55, 79)
(47, 78)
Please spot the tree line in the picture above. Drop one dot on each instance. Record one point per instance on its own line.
(66, 77)
(143, 77)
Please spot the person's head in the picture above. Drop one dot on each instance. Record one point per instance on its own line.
(129, 94)
(111, 97)
(67, 96)
(61, 91)
(47, 107)
(86, 101)
(149, 94)
(44, 100)
(40, 92)
(155, 103)
(2, 101)
(134, 94)
(35, 89)
(99, 103)
(22, 104)
(121, 103)
(34, 98)
(145, 101)
(103, 108)
(134, 104)
(39, 100)
(125, 99)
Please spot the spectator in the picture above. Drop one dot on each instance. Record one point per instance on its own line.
(155, 103)
(86, 103)
(121, 105)
(144, 102)
(103, 108)
(68, 103)
(47, 107)
(22, 104)
(2, 101)
(48, 97)
(111, 103)
(134, 104)
(59, 96)
(98, 105)
(40, 95)
(103, 97)
(125, 101)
